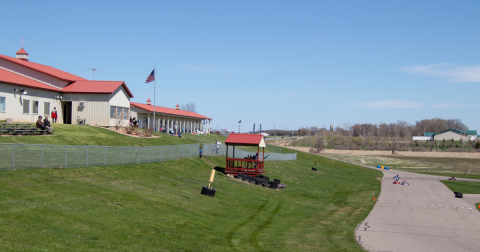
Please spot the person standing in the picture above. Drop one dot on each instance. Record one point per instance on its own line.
(218, 145)
(54, 115)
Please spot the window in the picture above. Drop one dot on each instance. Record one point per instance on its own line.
(119, 112)
(2, 104)
(35, 107)
(46, 108)
(26, 106)
(125, 113)
(112, 111)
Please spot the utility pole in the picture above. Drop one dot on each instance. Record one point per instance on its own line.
(275, 133)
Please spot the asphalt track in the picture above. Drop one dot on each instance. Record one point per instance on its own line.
(423, 216)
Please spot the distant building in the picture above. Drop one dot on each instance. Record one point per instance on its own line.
(448, 134)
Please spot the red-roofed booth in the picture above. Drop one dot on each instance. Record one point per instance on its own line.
(247, 165)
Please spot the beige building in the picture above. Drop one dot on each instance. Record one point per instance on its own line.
(29, 90)
(456, 135)
(167, 118)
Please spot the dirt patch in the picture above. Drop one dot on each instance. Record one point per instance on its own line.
(398, 153)
(123, 131)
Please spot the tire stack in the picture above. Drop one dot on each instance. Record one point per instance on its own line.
(458, 194)
(260, 180)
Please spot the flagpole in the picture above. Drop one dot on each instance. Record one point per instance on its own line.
(154, 121)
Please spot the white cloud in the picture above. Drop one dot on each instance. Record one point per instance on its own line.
(389, 104)
(452, 72)
(450, 105)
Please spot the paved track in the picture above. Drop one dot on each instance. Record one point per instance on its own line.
(424, 216)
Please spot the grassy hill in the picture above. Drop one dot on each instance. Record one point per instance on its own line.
(89, 135)
(158, 206)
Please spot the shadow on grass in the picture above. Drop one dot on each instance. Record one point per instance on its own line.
(219, 169)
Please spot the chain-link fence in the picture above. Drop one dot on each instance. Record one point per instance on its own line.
(211, 149)
(25, 156)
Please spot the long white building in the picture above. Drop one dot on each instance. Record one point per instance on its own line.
(29, 90)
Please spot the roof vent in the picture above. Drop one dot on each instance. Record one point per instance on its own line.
(22, 54)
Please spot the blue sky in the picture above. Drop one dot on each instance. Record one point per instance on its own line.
(282, 63)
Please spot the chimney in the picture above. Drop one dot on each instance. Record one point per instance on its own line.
(22, 54)
(149, 102)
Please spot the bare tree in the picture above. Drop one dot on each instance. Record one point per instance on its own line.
(317, 147)
(189, 107)
(464, 167)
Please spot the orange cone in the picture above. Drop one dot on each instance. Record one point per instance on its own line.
(374, 197)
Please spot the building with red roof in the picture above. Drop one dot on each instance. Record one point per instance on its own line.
(29, 90)
(169, 118)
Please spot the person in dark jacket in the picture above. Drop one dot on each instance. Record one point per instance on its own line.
(39, 123)
(46, 123)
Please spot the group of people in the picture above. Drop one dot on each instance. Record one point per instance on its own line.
(396, 182)
(133, 122)
(45, 123)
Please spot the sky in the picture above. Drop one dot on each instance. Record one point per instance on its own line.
(282, 64)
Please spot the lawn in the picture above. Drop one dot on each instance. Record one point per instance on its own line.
(426, 165)
(157, 206)
(90, 135)
(467, 187)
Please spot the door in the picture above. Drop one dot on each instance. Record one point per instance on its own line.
(67, 112)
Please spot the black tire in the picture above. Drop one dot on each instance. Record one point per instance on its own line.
(266, 185)
(252, 181)
(277, 180)
(458, 195)
(240, 174)
(314, 169)
(208, 191)
(259, 183)
(265, 177)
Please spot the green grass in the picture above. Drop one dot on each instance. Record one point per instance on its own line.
(426, 165)
(467, 187)
(89, 135)
(157, 207)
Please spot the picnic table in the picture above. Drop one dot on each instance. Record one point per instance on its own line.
(22, 129)
(16, 125)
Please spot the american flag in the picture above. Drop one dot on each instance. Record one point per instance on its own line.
(151, 77)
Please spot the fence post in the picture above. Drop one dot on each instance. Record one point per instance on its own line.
(150, 154)
(123, 153)
(138, 153)
(65, 157)
(41, 159)
(171, 151)
(87, 155)
(13, 157)
(105, 155)
(161, 148)
(182, 150)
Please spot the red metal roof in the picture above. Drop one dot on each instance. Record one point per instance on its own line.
(21, 51)
(245, 139)
(165, 110)
(95, 87)
(44, 69)
(18, 80)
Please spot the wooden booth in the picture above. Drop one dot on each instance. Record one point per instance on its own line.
(251, 165)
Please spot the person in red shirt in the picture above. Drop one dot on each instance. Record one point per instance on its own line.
(54, 115)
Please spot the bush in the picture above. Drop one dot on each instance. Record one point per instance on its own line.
(317, 147)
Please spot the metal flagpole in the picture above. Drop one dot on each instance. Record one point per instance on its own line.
(154, 122)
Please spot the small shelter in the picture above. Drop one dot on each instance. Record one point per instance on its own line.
(252, 165)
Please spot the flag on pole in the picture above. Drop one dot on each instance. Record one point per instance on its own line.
(151, 77)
